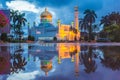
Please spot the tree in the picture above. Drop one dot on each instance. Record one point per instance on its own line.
(55, 38)
(17, 22)
(89, 62)
(83, 24)
(18, 61)
(113, 32)
(111, 26)
(31, 38)
(89, 17)
(4, 37)
(111, 57)
(20, 23)
(13, 19)
(105, 21)
(112, 18)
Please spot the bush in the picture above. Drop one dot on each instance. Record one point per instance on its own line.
(3, 37)
(31, 38)
(86, 38)
(55, 39)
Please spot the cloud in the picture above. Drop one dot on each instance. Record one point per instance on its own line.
(22, 6)
(31, 17)
(32, 11)
(1, 6)
(24, 76)
(52, 3)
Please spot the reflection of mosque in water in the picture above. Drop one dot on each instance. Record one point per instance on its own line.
(47, 53)
(79, 55)
(69, 51)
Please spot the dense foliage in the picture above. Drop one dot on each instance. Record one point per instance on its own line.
(111, 26)
(31, 38)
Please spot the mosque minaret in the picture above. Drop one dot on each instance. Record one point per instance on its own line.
(76, 22)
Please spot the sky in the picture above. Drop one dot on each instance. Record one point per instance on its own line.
(60, 9)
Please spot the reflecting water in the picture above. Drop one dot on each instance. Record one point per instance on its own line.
(62, 61)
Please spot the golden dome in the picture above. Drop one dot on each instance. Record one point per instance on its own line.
(46, 68)
(46, 13)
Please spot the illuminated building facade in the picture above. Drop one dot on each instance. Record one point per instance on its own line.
(65, 32)
(69, 32)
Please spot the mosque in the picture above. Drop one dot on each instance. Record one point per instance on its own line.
(47, 31)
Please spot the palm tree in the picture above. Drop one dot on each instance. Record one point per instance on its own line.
(20, 23)
(89, 17)
(13, 19)
(105, 21)
(18, 62)
(83, 24)
(17, 22)
(88, 61)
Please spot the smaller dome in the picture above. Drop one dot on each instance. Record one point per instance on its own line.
(46, 13)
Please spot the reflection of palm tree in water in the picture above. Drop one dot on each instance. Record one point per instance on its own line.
(89, 63)
(111, 57)
(18, 62)
(111, 62)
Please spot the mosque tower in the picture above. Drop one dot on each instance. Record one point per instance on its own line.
(76, 22)
(77, 60)
(59, 24)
